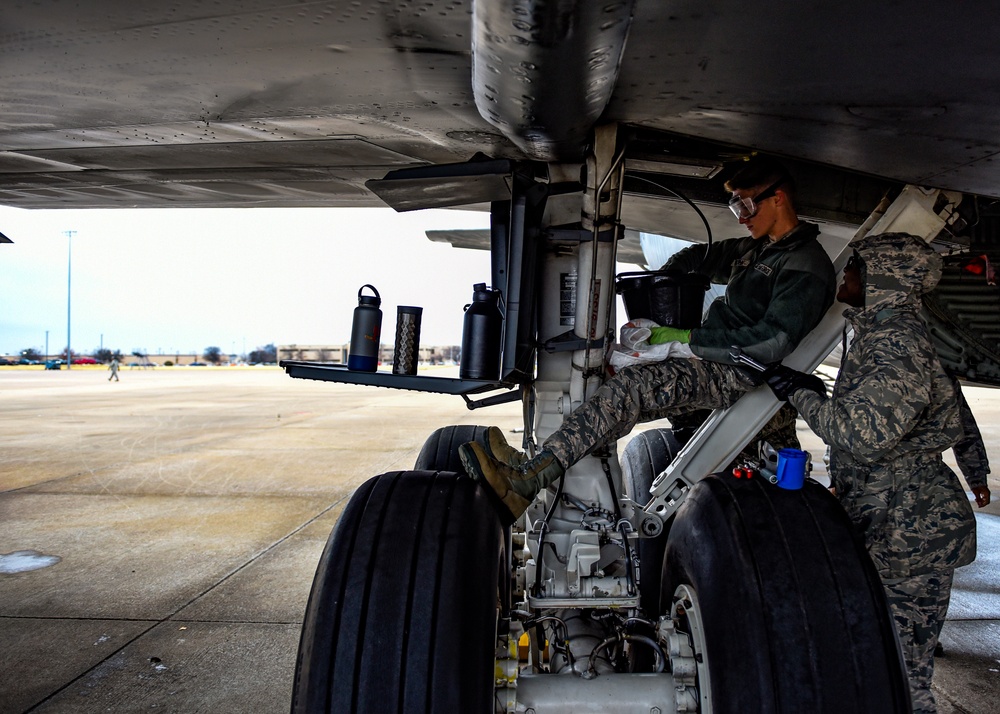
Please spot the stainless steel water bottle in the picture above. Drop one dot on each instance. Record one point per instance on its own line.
(482, 334)
(406, 351)
(365, 332)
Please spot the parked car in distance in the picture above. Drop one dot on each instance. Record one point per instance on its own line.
(85, 360)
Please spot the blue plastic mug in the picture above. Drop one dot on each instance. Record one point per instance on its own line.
(791, 469)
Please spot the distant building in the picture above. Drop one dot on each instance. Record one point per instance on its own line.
(177, 359)
(337, 354)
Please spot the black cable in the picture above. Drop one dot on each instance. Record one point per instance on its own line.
(555, 643)
(660, 657)
(629, 565)
(708, 228)
(541, 535)
(611, 487)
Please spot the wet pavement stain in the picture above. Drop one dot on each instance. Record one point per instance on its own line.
(22, 561)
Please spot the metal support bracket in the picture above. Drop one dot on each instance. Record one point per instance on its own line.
(578, 234)
(569, 341)
(492, 401)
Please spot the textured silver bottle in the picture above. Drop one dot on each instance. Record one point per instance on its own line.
(406, 351)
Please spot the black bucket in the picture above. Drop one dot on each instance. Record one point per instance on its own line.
(667, 298)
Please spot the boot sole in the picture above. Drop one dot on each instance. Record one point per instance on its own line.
(471, 465)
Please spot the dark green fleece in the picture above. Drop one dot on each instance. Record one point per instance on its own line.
(776, 293)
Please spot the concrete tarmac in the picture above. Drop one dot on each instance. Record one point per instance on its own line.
(158, 535)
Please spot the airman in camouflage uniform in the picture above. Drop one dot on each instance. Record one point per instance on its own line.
(780, 282)
(892, 413)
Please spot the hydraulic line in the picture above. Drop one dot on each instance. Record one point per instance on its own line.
(660, 662)
(623, 527)
(616, 165)
(708, 227)
(541, 534)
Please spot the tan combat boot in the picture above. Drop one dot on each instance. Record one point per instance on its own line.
(499, 449)
(515, 488)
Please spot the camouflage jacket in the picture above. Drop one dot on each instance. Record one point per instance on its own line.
(775, 293)
(892, 412)
(970, 451)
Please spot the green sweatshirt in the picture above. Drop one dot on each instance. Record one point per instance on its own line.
(776, 293)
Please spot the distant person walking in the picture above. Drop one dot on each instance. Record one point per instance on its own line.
(114, 369)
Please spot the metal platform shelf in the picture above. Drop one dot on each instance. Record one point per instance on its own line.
(328, 372)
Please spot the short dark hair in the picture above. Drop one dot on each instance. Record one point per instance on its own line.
(761, 172)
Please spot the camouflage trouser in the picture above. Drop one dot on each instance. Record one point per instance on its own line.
(643, 393)
(919, 605)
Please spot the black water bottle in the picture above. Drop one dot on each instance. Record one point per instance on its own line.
(365, 332)
(482, 333)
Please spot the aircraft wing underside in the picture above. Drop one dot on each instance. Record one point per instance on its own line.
(265, 103)
(260, 103)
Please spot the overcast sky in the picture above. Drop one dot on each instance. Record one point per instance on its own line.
(176, 280)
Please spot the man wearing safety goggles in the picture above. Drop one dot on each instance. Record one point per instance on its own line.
(746, 207)
(779, 284)
(779, 280)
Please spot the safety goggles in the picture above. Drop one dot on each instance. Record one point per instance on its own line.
(746, 207)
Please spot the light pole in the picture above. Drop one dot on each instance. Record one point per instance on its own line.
(69, 296)
(46, 345)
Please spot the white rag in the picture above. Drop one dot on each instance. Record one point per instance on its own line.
(634, 347)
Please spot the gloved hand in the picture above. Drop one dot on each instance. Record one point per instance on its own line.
(662, 335)
(784, 381)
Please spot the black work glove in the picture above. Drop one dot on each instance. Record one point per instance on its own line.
(784, 381)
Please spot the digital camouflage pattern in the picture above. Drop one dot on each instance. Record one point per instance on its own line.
(779, 432)
(892, 412)
(644, 393)
(919, 605)
(970, 452)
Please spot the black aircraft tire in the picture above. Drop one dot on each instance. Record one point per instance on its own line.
(440, 451)
(793, 614)
(645, 456)
(403, 610)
